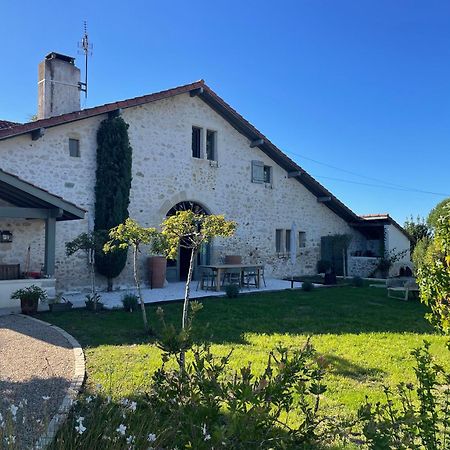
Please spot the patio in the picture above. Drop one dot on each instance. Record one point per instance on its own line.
(171, 292)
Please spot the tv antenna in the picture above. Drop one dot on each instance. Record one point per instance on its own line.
(85, 49)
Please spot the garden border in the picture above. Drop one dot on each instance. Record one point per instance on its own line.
(73, 390)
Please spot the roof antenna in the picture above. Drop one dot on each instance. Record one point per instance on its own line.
(85, 48)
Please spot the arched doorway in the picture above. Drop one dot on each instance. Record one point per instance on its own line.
(177, 269)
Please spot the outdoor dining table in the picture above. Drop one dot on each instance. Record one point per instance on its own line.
(220, 268)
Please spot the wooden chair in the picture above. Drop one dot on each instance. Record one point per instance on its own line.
(232, 276)
(207, 279)
(250, 277)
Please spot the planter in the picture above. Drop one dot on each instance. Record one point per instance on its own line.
(92, 306)
(157, 267)
(58, 307)
(233, 259)
(29, 306)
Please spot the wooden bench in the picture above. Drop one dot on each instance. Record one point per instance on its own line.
(9, 271)
(403, 289)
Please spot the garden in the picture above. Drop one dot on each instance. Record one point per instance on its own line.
(362, 340)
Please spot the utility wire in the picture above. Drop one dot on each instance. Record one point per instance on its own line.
(387, 184)
(384, 187)
(349, 171)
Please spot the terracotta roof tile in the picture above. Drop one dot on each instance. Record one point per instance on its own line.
(5, 124)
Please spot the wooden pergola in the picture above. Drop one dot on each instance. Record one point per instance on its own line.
(28, 201)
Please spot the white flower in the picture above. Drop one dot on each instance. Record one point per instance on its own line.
(124, 402)
(45, 397)
(80, 428)
(122, 429)
(80, 419)
(13, 409)
(130, 440)
(132, 406)
(108, 399)
(88, 399)
(151, 437)
(207, 437)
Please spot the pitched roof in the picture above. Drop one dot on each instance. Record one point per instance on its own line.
(23, 194)
(205, 93)
(7, 124)
(383, 219)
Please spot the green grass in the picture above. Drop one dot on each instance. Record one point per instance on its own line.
(364, 338)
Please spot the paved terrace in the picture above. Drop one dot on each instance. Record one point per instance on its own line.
(171, 292)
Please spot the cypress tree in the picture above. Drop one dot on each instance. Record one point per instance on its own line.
(112, 190)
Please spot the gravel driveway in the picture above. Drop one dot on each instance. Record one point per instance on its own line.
(36, 368)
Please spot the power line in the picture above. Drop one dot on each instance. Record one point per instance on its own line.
(383, 187)
(350, 172)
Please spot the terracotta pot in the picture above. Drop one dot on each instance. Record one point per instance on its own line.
(29, 306)
(157, 266)
(233, 259)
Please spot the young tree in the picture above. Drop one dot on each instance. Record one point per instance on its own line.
(131, 234)
(434, 275)
(112, 190)
(88, 243)
(436, 213)
(190, 230)
(418, 229)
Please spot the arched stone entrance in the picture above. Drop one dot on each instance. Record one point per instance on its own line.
(177, 269)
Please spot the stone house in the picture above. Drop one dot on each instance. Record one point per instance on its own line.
(190, 150)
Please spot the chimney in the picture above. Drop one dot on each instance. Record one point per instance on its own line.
(58, 86)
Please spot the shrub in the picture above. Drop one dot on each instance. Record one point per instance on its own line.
(31, 293)
(130, 302)
(207, 406)
(232, 290)
(323, 266)
(307, 286)
(357, 282)
(413, 417)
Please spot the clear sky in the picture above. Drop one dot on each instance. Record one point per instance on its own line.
(362, 86)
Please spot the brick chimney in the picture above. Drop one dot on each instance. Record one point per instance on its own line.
(58, 86)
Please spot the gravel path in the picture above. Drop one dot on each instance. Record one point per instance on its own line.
(36, 362)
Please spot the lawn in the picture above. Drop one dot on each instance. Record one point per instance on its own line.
(364, 338)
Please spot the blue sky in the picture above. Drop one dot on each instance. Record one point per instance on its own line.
(358, 85)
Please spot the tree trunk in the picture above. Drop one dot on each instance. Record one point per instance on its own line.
(110, 285)
(92, 270)
(138, 287)
(186, 302)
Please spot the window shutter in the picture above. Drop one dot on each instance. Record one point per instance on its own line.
(257, 172)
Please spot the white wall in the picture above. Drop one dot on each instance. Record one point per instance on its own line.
(164, 173)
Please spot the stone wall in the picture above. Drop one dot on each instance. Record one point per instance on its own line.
(362, 266)
(165, 173)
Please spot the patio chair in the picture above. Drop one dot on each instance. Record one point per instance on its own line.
(261, 274)
(232, 276)
(250, 277)
(207, 279)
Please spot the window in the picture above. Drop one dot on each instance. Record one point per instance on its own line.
(267, 174)
(257, 172)
(288, 241)
(301, 239)
(261, 173)
(211, 145)
(278, 240)
(74, 148)
(196, 142)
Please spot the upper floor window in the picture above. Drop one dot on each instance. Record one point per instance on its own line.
(211, 145)
(261, 173)
(74, 148)
(196, 142)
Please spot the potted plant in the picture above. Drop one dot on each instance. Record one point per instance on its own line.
(93, 302)
(29, 298)
(59, 303)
